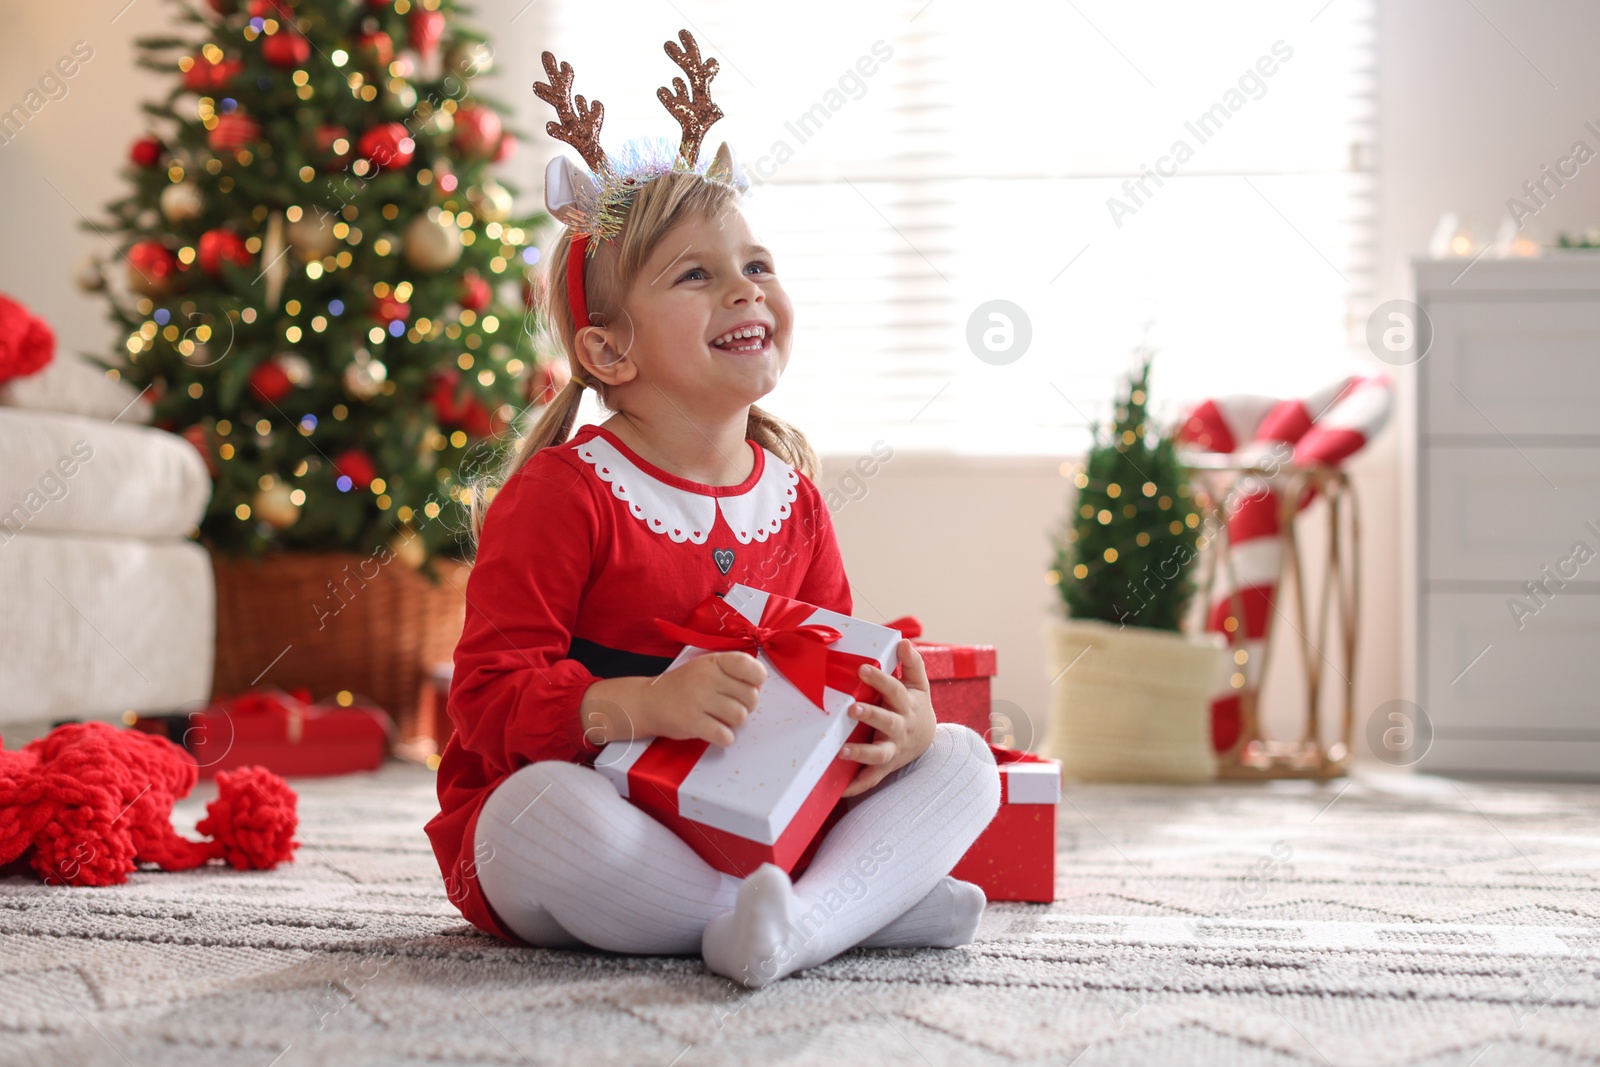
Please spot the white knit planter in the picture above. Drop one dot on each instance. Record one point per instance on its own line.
(1135, 703)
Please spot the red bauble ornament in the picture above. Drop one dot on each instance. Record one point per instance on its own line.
(196, 435)
(146, 152)
(198, 77)
(427, 28)
(323, 139)
(548, 380)
(204, 76)
(286, 49)
(466, 412)
(270, 382)
(475, 292)
(388, 145)
(26, 343)
(154, 261)
(386, 309)
(281, 10)
(375, 49)
(477, 132)
(233, 132)
(357, 466)
(507, 149)
(219, 245)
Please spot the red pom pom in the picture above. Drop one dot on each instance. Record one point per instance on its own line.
(357, 466)
(270, 382)
(219, 245)
(388, 145)
(233, 132)
(477, 132)
(26, 343)
(252, 820)
(146, 152)
(83, 843)
(475, 292)
(286, 49)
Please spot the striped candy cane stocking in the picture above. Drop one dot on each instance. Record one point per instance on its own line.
(1323, 428)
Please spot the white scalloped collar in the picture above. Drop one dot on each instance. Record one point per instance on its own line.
(684, 510)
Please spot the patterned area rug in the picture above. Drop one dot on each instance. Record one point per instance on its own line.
(1392, 920)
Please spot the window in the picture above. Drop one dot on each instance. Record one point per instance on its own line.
(1201, 168)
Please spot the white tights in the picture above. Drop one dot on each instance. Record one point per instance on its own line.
(566, 861)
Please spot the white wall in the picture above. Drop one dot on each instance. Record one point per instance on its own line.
(1465, 117)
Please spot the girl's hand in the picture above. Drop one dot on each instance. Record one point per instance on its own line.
(707, 698)
(904, 728)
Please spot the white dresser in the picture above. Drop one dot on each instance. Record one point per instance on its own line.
(1503, 495)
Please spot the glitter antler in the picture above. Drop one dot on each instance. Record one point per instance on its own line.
(696, 113)
(580, 120)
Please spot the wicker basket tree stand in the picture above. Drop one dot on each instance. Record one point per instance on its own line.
(336, 621)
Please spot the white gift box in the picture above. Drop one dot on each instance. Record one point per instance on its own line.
(764, 798)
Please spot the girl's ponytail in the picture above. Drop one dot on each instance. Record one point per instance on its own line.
(782, 440)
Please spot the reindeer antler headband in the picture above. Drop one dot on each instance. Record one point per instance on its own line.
(594, 202)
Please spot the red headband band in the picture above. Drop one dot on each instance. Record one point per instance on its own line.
(576, 253)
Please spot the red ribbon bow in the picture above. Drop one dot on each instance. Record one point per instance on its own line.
(798, 649)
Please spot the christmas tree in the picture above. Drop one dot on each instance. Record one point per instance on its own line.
(1125, 555)
(325, 286)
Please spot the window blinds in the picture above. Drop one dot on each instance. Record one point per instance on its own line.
(1200, 172)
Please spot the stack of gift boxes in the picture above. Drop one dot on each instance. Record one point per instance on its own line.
(768, 797)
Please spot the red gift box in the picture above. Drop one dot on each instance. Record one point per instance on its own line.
(287, 734)
(958, 677)
(766, 797)
(1015, 858)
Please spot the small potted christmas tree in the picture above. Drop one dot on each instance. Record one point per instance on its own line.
(1131, 693)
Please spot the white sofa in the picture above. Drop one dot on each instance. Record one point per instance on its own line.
(106, 605)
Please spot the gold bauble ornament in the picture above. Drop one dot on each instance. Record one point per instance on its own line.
(296, 368)
(311, 238)
(430, 245)
(468, 59)
(275, 507)
(490, 200)
(182, 202)
(364, 376)
(88, 275)
(408, 548)
(439, 124)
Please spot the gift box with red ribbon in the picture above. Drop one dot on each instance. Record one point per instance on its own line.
(285, 733)
(958, 677)
(1015, 858)
(764, 798)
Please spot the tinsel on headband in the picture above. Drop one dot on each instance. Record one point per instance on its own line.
(600, 210)
(595, 201)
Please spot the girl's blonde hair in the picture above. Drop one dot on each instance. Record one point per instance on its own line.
(657, 207)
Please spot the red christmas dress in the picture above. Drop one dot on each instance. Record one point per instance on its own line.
(580, 551)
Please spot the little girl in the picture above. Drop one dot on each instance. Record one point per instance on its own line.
(687, 489)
